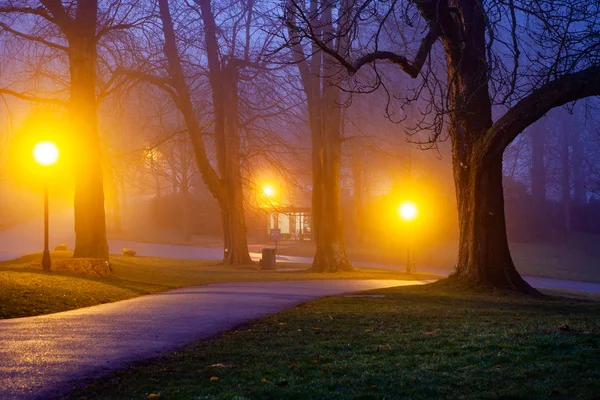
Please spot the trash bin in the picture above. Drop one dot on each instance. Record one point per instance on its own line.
(268, 259)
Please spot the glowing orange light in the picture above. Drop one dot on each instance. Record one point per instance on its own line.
(269, 191)
(45, 153)
(407, 211)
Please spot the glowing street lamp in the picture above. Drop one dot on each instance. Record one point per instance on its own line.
(408, 211)
(46, 154)
(269, 191)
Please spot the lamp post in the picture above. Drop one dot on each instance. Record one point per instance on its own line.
(46, 154)
(408, 212)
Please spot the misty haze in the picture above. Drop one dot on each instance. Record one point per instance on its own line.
(318, 198)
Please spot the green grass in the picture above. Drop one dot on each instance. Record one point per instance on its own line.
(26, 290)
(427, 342)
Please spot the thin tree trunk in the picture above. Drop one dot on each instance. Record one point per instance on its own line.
(90, 219)
(566, 178)
(538, 179)
(577, 164)
(357, 175)
(538, 172)
(226, 188)
(223, 81)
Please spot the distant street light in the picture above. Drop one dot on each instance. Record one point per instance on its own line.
(269, 191)
(408, 212)
(46, 154)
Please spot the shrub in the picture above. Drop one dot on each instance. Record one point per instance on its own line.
(128, 252)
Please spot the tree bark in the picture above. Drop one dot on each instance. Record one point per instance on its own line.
(224, 84)
(330, 253)
(484, 255)
(90, 219)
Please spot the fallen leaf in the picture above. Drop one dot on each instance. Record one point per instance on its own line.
(214, 379)
(369, 330)
(264, 380)
(331, 318)
(219, 365)
(282, 323)
(154, 396)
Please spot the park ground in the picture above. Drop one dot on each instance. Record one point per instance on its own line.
(434, 341)
(427, 342)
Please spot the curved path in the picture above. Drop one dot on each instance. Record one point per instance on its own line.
(43, 357)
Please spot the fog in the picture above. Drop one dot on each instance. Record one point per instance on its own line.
(214, 143)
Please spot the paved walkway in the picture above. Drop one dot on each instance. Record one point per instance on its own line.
(42, 357)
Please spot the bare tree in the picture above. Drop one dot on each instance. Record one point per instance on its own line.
(318, 72)
(563, 65)
(74, 30)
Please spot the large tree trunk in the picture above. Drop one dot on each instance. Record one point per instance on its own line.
(90, 220)
(237, 249)
(330, 253)
(484, 256)
(330, 248)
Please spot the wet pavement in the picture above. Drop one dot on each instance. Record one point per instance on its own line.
(42, 357)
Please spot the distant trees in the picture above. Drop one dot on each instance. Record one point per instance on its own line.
(559, 152)
(214, 66)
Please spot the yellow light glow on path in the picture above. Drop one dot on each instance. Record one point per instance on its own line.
(407, 211)
(45, 153)
(269, 191)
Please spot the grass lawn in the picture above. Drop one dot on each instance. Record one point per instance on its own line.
(26, 290)
(578, 258)
(426, 342)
